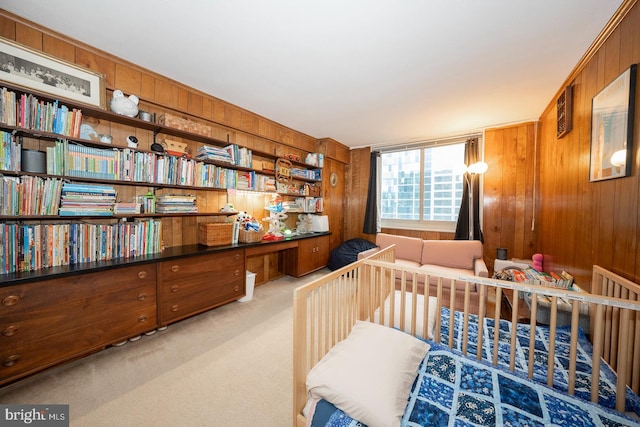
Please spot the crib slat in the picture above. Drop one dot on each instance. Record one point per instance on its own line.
(552, 340)
(532, 334)
(573, 346)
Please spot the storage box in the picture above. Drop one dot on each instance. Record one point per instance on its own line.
(176, 122)
(215, 233)
(246, 236)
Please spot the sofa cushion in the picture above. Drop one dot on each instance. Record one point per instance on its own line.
(445, 271)
(451, 253)
(408, 248)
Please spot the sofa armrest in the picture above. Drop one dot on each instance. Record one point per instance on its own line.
(480, 268)
(368, 252)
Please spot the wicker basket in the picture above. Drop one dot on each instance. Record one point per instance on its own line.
(246, 236)
(215, 233)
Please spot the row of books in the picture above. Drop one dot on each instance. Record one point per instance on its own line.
(29, 195)
(126, 164)
(310, 204)
(176, 203)
(232, 154)
(295, 188)
(28, 112)
(34, 247)
(250, 180)
(531, 276)
(86, 200)
(10, 152)
(315, 174)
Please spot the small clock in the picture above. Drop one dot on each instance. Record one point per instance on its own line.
(333, 179)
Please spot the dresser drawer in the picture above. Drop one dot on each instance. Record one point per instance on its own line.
(94, 309)
(202, 264)
(64, 290)
(22, 357)
(180, 299)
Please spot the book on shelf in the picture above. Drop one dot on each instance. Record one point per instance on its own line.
(36, 246)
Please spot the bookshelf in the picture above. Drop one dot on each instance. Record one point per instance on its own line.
(36, 121)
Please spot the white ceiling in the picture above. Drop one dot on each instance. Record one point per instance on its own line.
(364, 72)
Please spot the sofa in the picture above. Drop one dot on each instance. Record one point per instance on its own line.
(457, 257)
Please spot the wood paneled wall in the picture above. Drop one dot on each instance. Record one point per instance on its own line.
(510, 192)
(583, 223)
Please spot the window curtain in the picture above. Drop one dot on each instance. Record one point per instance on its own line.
(471, 156)
(371, 222)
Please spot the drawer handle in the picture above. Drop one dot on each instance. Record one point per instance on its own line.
(11, 360)
(10, 300)
(174, 288)
(10, 330)
(142, 296)
(236, 288)
(237, 256)
(142, 319)
(175, 268)
(236, 273)
(142, 274)
(174, 308)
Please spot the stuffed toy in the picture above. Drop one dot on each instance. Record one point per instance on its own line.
(122, 105)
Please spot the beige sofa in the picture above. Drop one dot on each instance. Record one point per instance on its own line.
(457, 257)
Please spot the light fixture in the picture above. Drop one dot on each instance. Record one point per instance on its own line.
(619, 158)
(472, 171)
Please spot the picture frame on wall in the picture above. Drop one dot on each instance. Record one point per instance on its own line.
(38, 71)
(612, 111)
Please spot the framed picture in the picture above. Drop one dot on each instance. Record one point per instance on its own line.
(35, 70)
(612, 112)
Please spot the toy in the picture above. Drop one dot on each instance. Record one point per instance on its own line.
(125, 106)
(228, 208)
(247, 222)
(537, 262)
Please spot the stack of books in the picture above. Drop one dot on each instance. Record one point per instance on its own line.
(531, 276)
(87, 200)
(176, 203)
(216, 154)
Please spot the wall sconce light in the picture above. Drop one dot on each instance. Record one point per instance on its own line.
(619, 158)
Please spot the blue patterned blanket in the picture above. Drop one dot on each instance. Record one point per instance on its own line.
(453, 390)
(607, 384)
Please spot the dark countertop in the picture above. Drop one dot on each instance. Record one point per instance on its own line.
(168, 254)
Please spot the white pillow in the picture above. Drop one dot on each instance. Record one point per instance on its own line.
(369, 374)
(408, 296)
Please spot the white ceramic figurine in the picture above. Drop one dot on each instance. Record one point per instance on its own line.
(122, 105)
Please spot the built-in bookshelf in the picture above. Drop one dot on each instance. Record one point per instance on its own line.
(70, 213)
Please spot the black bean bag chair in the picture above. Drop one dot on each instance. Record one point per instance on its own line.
(348, 252)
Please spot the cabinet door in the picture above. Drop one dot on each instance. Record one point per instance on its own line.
(311, 255)
(47, 322)
(191, 285)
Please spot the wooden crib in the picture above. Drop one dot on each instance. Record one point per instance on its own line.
(326, 309)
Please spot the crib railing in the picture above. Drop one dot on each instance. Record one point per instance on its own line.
(325, 311)
(619, 333)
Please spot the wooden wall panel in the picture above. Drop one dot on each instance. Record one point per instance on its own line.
(357, 182)
(509, 190)
(584, 223)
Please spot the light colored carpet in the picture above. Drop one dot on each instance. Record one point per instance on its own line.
(231, 366)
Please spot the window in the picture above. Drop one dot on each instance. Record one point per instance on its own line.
(421, 187)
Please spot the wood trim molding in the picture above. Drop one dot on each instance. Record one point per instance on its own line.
(608, 29)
